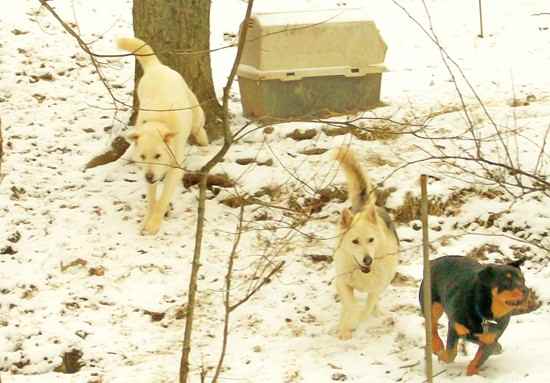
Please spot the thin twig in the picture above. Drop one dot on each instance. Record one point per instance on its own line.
(84, 47)
(226, 301)
(265, 280)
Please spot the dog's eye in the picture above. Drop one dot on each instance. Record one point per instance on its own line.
(157, 156)
(142, 157)
(371, 240)
(355, 241)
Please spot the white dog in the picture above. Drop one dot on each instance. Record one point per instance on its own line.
(169, 112)
(366, 256)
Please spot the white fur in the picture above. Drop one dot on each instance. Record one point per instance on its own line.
(169, 112)
(373, 238)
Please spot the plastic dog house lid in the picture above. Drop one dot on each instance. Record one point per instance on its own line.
(293, 45)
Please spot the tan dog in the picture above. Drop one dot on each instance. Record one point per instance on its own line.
(366, 256)
(169, 112)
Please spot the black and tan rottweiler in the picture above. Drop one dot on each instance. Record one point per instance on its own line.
(478, 301)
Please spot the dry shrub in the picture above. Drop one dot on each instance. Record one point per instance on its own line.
(382, 195)
(313, 151)
(332, 131)
(480, 252)
(315, 204)
(383, 132)
(71, 362)
(447, 109)
(410, 209)
(437, 206)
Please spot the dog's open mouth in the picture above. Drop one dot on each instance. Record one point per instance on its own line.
(365, 269)
(515, 302)
(152, 181)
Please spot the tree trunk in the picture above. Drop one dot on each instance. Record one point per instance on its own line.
(179, 33)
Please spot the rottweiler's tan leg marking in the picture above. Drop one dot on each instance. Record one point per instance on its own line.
(487, 337)
(449, 355)
(473, 367)
(437, 343)
(461, 330)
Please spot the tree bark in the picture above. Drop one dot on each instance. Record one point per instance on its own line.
(179, 33)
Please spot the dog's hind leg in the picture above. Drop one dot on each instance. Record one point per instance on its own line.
(437, 343)
(449, 355)
(173, 177)
(197, 125)
(199, 133)
(349, 315)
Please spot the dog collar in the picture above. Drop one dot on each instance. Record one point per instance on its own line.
(488, 322)
(485, 322)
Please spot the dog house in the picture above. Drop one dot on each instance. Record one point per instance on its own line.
(310, 64)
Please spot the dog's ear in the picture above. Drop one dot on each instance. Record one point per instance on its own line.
(370, 209)
(132, 136)
(167, 137)
(517, 263)
(345, 219)
(487, 275)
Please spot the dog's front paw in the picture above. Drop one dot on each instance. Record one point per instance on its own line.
(344, 334)
(152, 225)
(472, 369)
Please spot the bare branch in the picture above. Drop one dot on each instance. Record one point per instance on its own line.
(265, 280)
(84, 47)
(226, 301)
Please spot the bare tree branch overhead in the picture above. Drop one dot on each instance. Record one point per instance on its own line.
(259, 254)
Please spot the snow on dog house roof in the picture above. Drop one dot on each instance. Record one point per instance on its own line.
(312, 43)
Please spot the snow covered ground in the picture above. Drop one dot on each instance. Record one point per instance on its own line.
(76, 275)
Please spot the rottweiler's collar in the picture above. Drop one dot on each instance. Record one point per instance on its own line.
(488, 323)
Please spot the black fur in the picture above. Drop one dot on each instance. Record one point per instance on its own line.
(464, 287)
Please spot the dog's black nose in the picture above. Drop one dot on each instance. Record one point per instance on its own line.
(367, 260)
(150, 177)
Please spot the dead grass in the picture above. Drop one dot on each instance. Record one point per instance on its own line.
(377, 160)
(437, 206)
(445, 109)
(314, 151)
(380, 132)
(410, 209)
(300, 135)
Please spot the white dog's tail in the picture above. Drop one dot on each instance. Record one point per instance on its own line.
(359, 189)
(143, 52)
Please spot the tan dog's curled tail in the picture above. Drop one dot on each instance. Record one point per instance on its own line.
(143, 52)
(359, 189)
